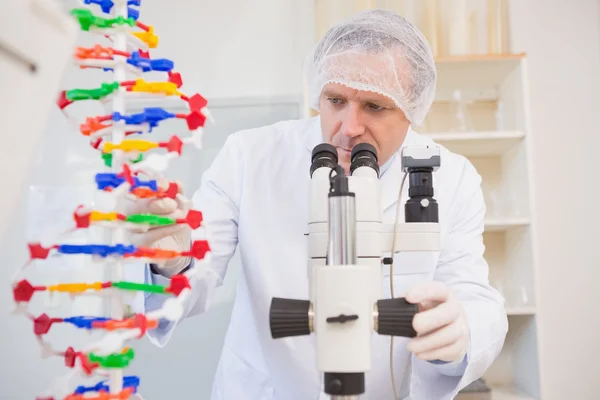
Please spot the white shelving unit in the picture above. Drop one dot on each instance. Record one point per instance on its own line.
(489, 126)
(499, 224)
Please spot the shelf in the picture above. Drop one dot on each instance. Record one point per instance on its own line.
(477, 144)
(505, 393)
(504, 224)
(479, 58)
(477, 72)
(497, 393)
(521, 310)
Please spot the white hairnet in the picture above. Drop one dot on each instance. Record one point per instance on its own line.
(377, 51)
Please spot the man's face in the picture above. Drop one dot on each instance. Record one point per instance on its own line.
(350, 117)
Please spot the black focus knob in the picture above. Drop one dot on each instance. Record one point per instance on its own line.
(395, 317)
(289, 317)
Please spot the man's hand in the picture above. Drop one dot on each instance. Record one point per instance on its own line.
(441, 324)
(165, 207)
(170, 237)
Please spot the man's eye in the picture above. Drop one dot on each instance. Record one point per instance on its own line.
(374, 107)
(335, 100)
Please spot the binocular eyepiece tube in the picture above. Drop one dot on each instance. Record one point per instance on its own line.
(363, 159)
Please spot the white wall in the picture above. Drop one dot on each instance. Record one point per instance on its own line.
(234, 48)
(562, 40)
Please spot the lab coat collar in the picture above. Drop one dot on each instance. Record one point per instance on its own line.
(386, 165)
(390, 180)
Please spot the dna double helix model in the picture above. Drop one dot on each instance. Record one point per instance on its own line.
(132, 170)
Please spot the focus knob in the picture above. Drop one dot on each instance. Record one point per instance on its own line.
(395, 317)
(289, 317)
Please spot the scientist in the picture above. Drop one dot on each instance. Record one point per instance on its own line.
(370, 77)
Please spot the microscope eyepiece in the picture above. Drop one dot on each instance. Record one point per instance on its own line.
(364, 155)
(363, 147)
(323, 155)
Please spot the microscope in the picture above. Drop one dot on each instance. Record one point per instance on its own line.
(348, 244)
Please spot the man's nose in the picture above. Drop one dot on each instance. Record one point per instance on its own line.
(352, 125)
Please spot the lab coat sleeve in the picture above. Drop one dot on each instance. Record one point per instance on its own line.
(218, 198)
(463, 268)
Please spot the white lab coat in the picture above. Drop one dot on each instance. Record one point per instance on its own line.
(255, 195)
